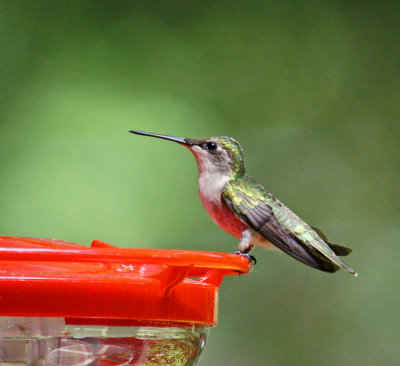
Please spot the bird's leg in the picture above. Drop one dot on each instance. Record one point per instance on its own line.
(245, 245)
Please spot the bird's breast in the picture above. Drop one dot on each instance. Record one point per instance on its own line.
(210, 189)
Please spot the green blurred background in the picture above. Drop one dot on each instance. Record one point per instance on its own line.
(310, 89)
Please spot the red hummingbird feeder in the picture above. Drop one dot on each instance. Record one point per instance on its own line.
(66, 304)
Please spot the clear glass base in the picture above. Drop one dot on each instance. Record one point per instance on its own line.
(49, 342)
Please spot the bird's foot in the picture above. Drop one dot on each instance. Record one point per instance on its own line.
(248, 256)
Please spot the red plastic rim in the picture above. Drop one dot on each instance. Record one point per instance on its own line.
(46, 277)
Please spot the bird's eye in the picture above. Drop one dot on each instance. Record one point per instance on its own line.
(211, 146)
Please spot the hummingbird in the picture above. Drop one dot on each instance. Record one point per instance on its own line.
(246, 210)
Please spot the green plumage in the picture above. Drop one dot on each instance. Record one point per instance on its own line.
(282, 227)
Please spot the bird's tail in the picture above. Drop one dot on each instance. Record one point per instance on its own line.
(333, 264)
(339, 250)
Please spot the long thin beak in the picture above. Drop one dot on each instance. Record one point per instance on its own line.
(165, 137)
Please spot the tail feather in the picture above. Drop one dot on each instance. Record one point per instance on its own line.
(329, 263)
(339, 250)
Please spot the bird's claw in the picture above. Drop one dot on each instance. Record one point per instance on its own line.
(249, 257)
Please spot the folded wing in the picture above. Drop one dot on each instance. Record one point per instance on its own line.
(252, 207)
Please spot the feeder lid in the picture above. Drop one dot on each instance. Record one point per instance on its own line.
(105, 284)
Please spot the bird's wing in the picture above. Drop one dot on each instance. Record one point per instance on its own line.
(252, 208)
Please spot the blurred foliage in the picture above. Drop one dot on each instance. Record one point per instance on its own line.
(310, 89)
